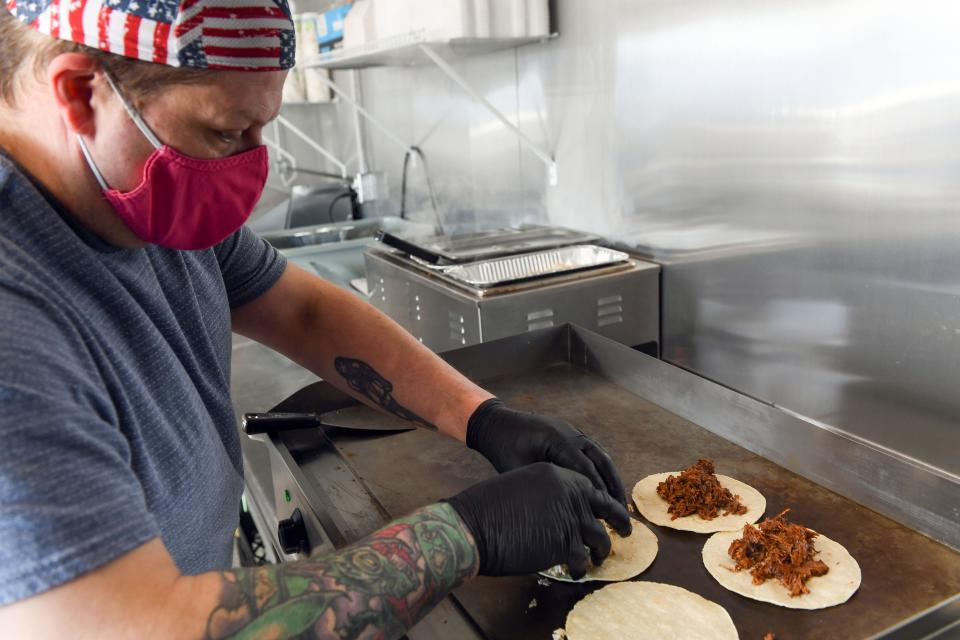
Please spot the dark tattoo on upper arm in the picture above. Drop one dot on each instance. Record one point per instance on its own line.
(377, 588)
(366, 381)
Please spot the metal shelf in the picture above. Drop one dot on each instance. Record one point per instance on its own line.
(404, 50)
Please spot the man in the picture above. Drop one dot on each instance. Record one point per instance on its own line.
(125, 178)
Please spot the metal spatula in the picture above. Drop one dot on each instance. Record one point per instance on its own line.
(355, 418)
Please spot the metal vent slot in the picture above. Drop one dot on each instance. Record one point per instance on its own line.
(417, 307)
(458, 330)
(542, 319)
(383, 290)
(609, 320)
(609, 310)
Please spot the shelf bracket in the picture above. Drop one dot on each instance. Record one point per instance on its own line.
(295, 130)
(543, 155)
(358, 108)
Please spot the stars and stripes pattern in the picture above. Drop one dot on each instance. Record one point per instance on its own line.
(248, 35)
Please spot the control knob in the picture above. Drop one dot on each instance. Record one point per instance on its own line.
(292, 534)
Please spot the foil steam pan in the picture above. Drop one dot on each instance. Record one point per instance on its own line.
(490, 273)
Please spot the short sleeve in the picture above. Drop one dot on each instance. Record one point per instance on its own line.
(70, 501)
(250, 266)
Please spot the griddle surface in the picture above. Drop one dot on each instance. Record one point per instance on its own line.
(903, 571)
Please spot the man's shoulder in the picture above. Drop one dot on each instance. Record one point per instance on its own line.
(38, 258)
(22, 231)
(14, 184)
(30, 279)
(31, 321)
(38, 314)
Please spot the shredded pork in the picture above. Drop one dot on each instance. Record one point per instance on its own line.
(778, 549)
(697, 491)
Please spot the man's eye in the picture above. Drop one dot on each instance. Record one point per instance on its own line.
(228, 136)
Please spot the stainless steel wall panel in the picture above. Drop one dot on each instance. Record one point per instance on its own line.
(566, 96)
(472, 158)
(794, 165)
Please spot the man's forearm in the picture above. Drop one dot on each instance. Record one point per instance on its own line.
(379, 587)
(354, 346)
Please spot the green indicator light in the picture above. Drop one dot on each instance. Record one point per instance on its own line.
(286, 495)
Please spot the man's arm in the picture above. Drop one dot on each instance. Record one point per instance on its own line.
(378, 587)
(514, 523)
(354, 346)
(351, 344)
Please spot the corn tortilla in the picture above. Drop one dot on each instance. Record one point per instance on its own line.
(833, 588)
(628, 557)
(654, 508)
(648, 611)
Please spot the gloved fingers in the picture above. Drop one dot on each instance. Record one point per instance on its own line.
(577, 561)
(606, 508)
(607, 470)
(576, 460)
(596, 538)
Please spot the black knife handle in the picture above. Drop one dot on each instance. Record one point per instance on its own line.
(256, 423)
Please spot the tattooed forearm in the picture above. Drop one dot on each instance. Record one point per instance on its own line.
(366, 381)
(377, 588)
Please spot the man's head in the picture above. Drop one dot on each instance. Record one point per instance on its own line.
(208, 98)
(24, 51)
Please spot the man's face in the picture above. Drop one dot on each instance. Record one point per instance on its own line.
(214, 119)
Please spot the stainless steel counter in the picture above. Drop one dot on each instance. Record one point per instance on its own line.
(651, 415)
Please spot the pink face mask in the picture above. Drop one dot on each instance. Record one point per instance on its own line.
(183, 202)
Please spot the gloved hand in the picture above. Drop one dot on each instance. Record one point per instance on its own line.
(511, 439)
(538, 516)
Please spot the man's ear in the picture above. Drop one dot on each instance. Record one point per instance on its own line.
(72, 79)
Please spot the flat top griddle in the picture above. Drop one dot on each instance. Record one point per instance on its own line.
(903, 571)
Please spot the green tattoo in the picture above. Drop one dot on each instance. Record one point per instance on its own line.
(377, 588)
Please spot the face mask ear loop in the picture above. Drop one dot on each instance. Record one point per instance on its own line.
(93, 165)
(134, 115)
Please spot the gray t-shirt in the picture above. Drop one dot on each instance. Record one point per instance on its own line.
(115, 418)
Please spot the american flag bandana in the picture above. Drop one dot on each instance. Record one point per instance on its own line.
(241, 35)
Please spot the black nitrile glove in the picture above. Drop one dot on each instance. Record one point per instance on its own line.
(538, 516)
(511, 439)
